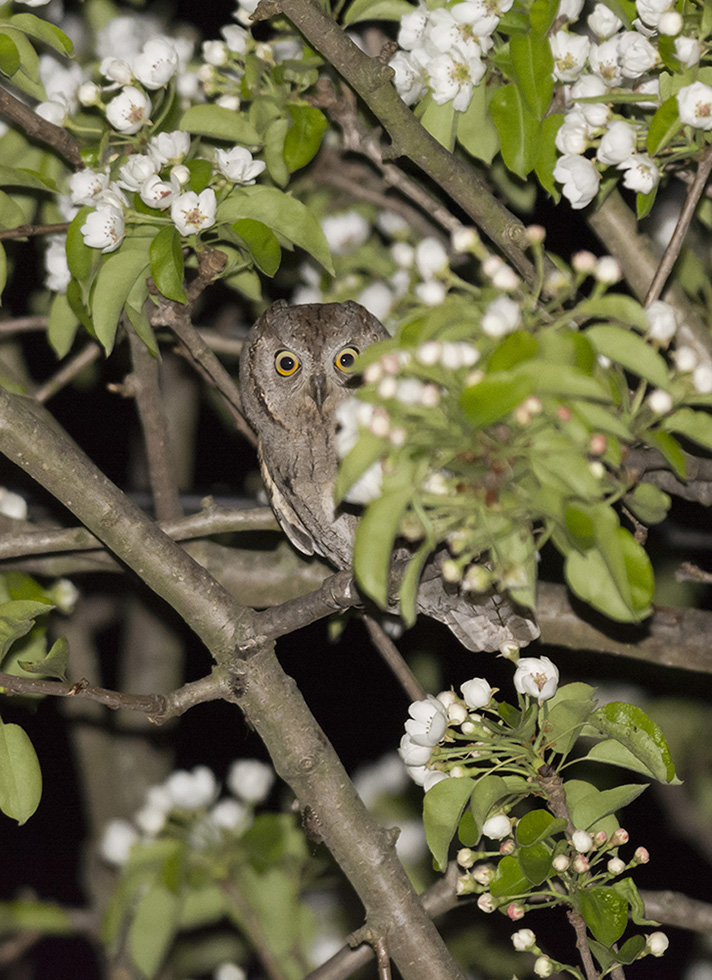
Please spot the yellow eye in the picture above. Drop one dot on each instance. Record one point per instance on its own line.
(346, 359)
(286, 363)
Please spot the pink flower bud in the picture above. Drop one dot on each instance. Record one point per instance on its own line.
(581, 864)
(619, 836)
(598, 444)
(515, 911)
(600, 838)
(485, 903)
(616, 866)
(563, 413)
(483, 874)
(641, 855)
(507, 847)
(561, 862)
(465, 857)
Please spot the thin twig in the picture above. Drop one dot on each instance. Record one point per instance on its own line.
(579, 927)
(382, 960)
(683, 223)
(39, 128)
(31, 231)
(68, 372)
(393, 658)
(688, 572)
(146, 390)
(22, 324)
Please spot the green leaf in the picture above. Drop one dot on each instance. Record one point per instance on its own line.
(367, 450)
(81, 259)
(605, 913)
(373, 545)
(62, 327)
(696, 426)
(548, 154)
(611, 752)
(153, 929)
(275, 136)
(565, 719)
(475, 129)
(631, 351)
(494, 397)
(561, 379)
(588, 805)
(615, 306)
(509, 880)
(519, 130)
(201, 172)
(20, 177)
(649, 503)
(262, 243)
(487, 792)
(43, 31)
(11, 214)
(114, 282)
(632, 948)
(538, 825)
(535, 861)
(3, 270)
(166, 263)
(637, 732)
(542, 15)
(376, 10)
(408, 591)
(440, 121)
(26, 77)
(9, 55)
(442, 808)
(671, 450)
(219, 123)
(533, 65)
(644, 203)
(285, 215)
(600, 419)
(17, 618)
(617, 579)
(515, 348)
(29, 915)
(20, 774)
(53, 664)
(628, 890)
(303, 138)
(664, 125)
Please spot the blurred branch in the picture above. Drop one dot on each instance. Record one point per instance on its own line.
(22, 324)
(674, 909)
(68, 371)
(37, 127)
(650, 465)
(30, 231)
(393, 659)
(371, 79)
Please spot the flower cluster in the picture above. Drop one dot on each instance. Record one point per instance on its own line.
(191, 798)
(442, 50)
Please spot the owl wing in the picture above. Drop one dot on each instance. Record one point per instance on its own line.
(288, 519)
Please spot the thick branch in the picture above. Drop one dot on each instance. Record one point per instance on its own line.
(675, 909)
(671, 637)
(39, 128)
(371, 79)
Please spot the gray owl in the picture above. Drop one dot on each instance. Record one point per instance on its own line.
(295, 369)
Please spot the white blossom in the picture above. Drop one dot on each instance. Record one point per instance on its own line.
(502, 316)
(603, 21)
(129, 111)
(193, 212)
(86, 185)
(409, 78)
(579, 178)
(157, 193)
(104, 228)
(702, 378)
(427, 722)
(430, 258)
(603, 58)
(656, 943)
(617, 143)
(229, 971)
(412, 753)
(116, 70)
(608, 270)
(345, 232)
(126, 34)
(662, 321)
(454, 27)
(615, 866)
(12, 505)
(572, 135)
(582, 841)
(89, 94)
(536, 676)
(169, 148)
(485, 903)
(156, 64)
(377, 298)
(685, 358)
(245, 9)
(543, 966)
(649, 11)
(570, 53)
(250, 780)
(61, 81)
(238, 165)
(497, 827)
(117, 840)
(453, 76)
(589, 86)
(688, 50)
(229, 814)
(411, 32)
(570, 9)
(136, 171)
(636, 54)
(523, 940)
(215, 53)
(670, 23)
(236, 38)
(58, 274)
(55, 111)
(191, 790)
(458, 354)
(476, 692)
(383, 777)
(641, 174)
(231, 102)
(694, 103)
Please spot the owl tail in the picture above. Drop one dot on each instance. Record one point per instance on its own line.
(479, 622)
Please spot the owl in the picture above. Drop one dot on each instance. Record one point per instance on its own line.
(296, 368)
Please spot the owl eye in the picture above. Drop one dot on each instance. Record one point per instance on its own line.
(346, 359)
(286, 363)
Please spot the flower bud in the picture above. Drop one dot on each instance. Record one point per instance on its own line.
(457, 713)
(523, 940)
(515, 911)
(619, 836)
(485, 903)
(465, 885)
(600, 838)
(89, 94)
(581, 865)
(483, 874)
(506, 847)
(608, 270)
(497, 827)
(465, 857)
(657, 943)
(582, 841)
(561, 862)
(543, 966)
(616, 866)
(641, 855)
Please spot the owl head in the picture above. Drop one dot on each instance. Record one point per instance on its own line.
(297, 362)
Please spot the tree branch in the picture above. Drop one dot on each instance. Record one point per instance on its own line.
(39, 128)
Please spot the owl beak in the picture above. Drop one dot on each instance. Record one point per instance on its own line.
(317, 385)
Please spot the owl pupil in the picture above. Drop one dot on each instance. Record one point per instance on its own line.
(287, 363)
(347, 360)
